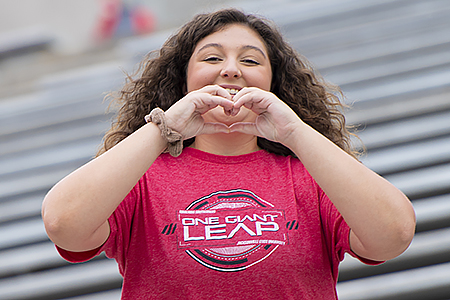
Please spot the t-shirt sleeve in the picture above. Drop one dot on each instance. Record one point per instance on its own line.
(116, 244)
(83, 256)
(77, 257)
(337, 231)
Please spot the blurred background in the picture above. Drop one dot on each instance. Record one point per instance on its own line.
(58, 59)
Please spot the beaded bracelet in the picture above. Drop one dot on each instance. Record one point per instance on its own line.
(173, 138)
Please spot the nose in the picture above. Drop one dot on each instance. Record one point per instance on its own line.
(230, 70)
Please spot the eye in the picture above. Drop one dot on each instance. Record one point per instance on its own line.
(212, 59)
(250, 61)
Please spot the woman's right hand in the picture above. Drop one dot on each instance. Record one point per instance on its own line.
(185, 116)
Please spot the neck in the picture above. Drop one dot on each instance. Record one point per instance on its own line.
(229, 144)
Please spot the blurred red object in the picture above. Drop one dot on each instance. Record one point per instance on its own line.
(117, 19)
(109, 19)
(142, 20)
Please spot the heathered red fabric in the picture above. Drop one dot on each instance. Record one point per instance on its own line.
(205, 226)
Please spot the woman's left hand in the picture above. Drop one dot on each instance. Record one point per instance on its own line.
(276, 121)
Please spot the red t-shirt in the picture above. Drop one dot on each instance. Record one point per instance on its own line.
(205, 226)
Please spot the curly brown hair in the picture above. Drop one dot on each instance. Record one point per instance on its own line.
(162, 82)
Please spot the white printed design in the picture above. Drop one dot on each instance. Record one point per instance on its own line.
(231, 230)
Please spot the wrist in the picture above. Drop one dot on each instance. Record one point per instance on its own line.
(155, 138)
(174, 140)
(293, 138)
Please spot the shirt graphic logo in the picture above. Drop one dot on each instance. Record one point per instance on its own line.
(231, 230)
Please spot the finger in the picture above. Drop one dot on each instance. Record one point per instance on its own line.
(227, 112)
(249, 95)
(254, 101)
(238, 101)
(216, 90)
(241, 93)
(204, 102)
(210, 102)
(225, 103)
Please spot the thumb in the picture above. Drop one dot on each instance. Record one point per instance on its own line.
(211, 128)
(245, 127)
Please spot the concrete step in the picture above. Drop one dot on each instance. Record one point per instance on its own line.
(428, 248)
(61, 282)
(424, 182)
(408, 157)
(431, 283)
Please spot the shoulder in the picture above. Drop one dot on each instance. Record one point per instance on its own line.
(293, 163)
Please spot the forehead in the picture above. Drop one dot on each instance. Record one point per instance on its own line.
(234, 36)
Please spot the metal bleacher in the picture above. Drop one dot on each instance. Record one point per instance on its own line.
(391, 58)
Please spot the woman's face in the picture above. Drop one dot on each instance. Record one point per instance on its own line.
(234, 57)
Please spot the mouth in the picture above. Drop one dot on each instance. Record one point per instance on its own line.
(233, 90)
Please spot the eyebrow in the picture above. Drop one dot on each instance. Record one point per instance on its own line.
(245, 47)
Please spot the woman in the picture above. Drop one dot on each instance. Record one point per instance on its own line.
(266, 196)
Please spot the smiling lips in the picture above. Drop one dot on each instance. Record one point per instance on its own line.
(231, 89)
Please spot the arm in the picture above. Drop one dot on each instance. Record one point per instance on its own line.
(75, 211)
(381, 218)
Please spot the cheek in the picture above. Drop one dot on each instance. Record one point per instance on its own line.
(199, 76)
(189, 79)
(269, 82)
(262, 79)
(192, 76)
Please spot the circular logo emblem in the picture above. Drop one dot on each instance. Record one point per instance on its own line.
(230, 231)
